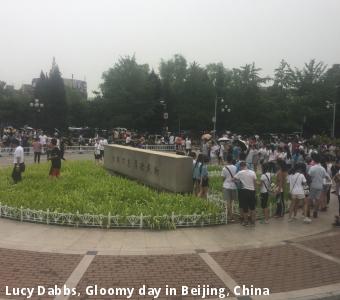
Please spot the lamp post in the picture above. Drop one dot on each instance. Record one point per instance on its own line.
(224, 108)
(37, 106)
(332, 105)
(165, 113)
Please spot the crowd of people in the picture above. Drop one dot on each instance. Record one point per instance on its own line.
(253, 170)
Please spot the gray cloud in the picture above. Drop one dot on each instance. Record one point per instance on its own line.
(87, 36)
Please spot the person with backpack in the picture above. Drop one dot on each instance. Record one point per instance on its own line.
(296, 182)
(229, 186)
(203, 177)
(196, 172)
(264, 191)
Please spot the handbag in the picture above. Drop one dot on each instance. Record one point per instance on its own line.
(306, 189)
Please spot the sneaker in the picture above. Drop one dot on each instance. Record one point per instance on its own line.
(245, 224)
(307, 220)
(266, 222)
(290, 219)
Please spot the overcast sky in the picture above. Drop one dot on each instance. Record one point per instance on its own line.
(88, 36)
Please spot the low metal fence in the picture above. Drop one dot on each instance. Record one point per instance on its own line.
(111, 221)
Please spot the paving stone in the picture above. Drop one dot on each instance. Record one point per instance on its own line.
(281, 268)
(153, 271)
(328, 245)
(29, 269)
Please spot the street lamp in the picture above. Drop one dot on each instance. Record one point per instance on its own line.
(165, 113)
(37, 106)
(224, 108)
(328, 106)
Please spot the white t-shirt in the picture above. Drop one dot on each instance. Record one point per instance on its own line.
(272, 155)
(18, 153)
(228, 181)
(247, 177)
(43, 139)
(296, 182)
(265, 182)
(188, 144)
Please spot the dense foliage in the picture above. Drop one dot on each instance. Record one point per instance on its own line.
(130, 93)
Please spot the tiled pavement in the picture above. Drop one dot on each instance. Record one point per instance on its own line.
(283, 268)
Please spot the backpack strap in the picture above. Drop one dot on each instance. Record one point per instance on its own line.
(229, 172)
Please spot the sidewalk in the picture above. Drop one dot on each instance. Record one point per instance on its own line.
(293, 260)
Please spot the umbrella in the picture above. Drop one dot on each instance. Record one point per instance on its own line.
(242, 144)
(224, 139)
(206, 136)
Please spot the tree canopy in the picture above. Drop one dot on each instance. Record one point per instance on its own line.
(135, 96)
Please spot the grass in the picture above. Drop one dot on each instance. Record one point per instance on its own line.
(87, 188)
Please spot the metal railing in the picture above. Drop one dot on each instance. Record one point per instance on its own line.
(86, 149)
(166, 148)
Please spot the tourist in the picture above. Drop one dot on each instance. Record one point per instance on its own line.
(43, 141)
(317, 175)
(266, 182)
(296, 182)
(203, 177)
(187, 146)
(37, 148)
(55, 158)
(281, 178)
(62, 148)
(97, 153)
(196, 176)
(102, 144)
(250, 157)
(229, 186)
(247, 193)
(272, 157)
(18, 161)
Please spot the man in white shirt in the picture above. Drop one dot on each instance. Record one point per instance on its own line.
(229, 186)
(187, 146)
(247, 193)
(317, 175)
(18, 161)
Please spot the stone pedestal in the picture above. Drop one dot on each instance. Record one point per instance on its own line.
(164, 171)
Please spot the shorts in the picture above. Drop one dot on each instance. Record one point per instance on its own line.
(314, 194)
(55, 172)
(264, 200)
(229, 194)
(298, 196)
(97, 156)
(205, 182)
(247, 199)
